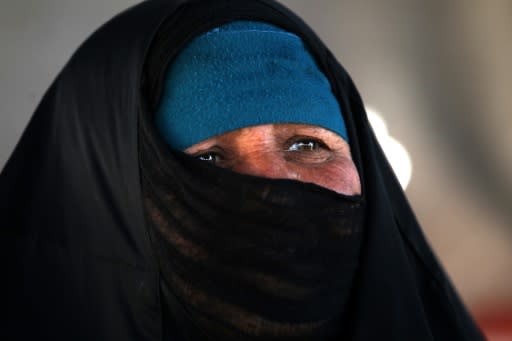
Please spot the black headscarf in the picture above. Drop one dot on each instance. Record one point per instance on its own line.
(105, 230)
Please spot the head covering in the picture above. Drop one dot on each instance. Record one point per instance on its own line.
(85, 254)
(242, 74)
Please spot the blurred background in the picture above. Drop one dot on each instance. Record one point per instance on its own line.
(437, 72)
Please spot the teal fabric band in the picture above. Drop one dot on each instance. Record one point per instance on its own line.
(239, 75)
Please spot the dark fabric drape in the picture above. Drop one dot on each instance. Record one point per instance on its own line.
(97, 216)
(246, 259)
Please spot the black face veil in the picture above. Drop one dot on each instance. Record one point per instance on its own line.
(104, 229)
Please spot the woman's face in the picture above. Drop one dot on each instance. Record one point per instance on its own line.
(284, 151)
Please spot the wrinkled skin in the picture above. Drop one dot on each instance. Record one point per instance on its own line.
(284, 151)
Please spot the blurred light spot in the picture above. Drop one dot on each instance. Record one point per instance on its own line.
(395, 152)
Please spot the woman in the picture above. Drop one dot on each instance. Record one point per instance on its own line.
(113, 233)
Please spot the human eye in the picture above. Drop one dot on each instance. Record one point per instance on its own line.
(211, 157)
(305, 144)
(308, 150)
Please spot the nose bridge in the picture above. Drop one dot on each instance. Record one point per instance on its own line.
(257, 153)
(262, 164)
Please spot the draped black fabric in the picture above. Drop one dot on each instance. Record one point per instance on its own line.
(108, 235)
(246, 259)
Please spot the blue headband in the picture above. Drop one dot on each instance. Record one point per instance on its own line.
(243, 74)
